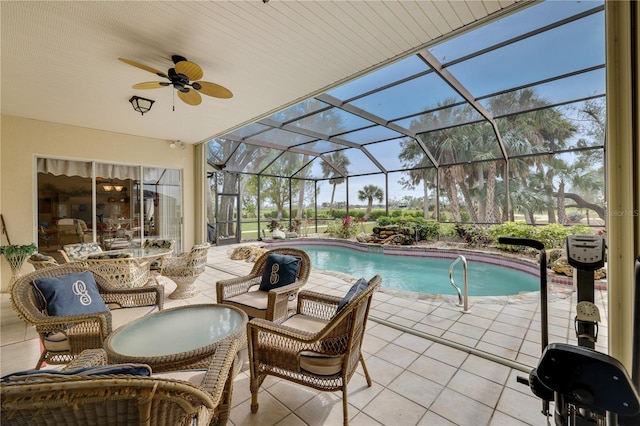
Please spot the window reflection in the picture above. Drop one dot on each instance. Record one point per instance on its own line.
(82, 201)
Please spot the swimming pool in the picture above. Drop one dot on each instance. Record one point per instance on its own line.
(422, 274)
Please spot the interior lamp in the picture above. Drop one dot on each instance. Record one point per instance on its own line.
(141, 105)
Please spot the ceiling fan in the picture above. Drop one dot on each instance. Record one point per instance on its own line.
(182, 77)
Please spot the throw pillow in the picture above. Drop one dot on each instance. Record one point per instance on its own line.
(73, 294)
(355, 290)
(109, 255)
(280, 270)
(32, 375)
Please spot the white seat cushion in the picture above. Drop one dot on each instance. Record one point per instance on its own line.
(305, 323)
(193, 376)
(320, 364)
(254, 303)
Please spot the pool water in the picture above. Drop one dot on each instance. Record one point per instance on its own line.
(422, 274)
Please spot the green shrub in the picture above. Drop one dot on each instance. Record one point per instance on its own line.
(474, 235)
(512, 229)
(581, 230)
(375, 214)
(426, 229)
(553, 235)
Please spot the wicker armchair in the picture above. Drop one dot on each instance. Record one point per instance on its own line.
(40, 261)
(318, 347)
(270, 305)
(156, 265)
(63, 337)
(184, 269)
(123, 399)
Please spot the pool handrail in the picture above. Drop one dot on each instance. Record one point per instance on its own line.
(464, 302)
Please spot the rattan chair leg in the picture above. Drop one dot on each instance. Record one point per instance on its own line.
(366, 372)
(345, 405)
(43, 356)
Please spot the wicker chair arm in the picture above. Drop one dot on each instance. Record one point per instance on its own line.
(220, 367)
(235, 286)
(131, 297)
(56, 323)
(278, 299)
(87, 358)
(317, 305)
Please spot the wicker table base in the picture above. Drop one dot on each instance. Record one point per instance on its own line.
(178, 338)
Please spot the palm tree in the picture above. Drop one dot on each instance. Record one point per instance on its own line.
(339, 160)
(368, 193)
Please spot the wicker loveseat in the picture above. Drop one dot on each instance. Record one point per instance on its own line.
(63, 337)
(199, 397)
(120, 268)
(244, 293)
(319, 346)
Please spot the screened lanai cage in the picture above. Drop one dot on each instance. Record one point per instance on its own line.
(505, 122)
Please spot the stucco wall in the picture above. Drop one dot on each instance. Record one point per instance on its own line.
(22, 140)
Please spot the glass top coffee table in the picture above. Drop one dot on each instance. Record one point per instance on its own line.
(179, 338)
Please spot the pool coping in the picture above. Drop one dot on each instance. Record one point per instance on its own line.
(559, 286)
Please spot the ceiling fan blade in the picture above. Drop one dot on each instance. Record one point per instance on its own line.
(144, 67)
(212, 89)
(151, 85)
(191, 70)
(191, 97)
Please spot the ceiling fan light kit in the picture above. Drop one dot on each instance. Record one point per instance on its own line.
(182, 78)
(141, 105)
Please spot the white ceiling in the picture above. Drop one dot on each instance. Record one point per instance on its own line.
(60, 59)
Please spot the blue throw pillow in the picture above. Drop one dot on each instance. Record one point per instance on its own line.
(355, 290)
(73, 294)
(280, 270)
(33, 375)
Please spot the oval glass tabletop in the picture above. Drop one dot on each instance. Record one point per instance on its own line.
(175, 330)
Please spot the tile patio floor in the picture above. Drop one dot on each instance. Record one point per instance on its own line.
(427, 360)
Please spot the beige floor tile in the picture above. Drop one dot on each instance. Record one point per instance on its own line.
(475, 387)
(412, 342)
(416, 388)
(397, 355)
(432, 419)
(432, 369)
(483, 367)
(460, 409)
(390, 408)
(446, 354)
(521, 406)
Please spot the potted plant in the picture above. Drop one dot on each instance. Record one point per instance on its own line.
(16, 255)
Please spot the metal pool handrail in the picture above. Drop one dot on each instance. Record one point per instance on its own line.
(465, 303)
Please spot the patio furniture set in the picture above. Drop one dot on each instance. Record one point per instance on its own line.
(130, 361)
(136, 267)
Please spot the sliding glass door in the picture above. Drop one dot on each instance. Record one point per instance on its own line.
(117, 206)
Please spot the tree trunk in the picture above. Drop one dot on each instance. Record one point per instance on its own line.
(491, 190)
(468, 201)
(425, 199)
(562, 214)
(333, 193)
(453, 195)
(301, 199)
(369, 207)
(584, 204)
